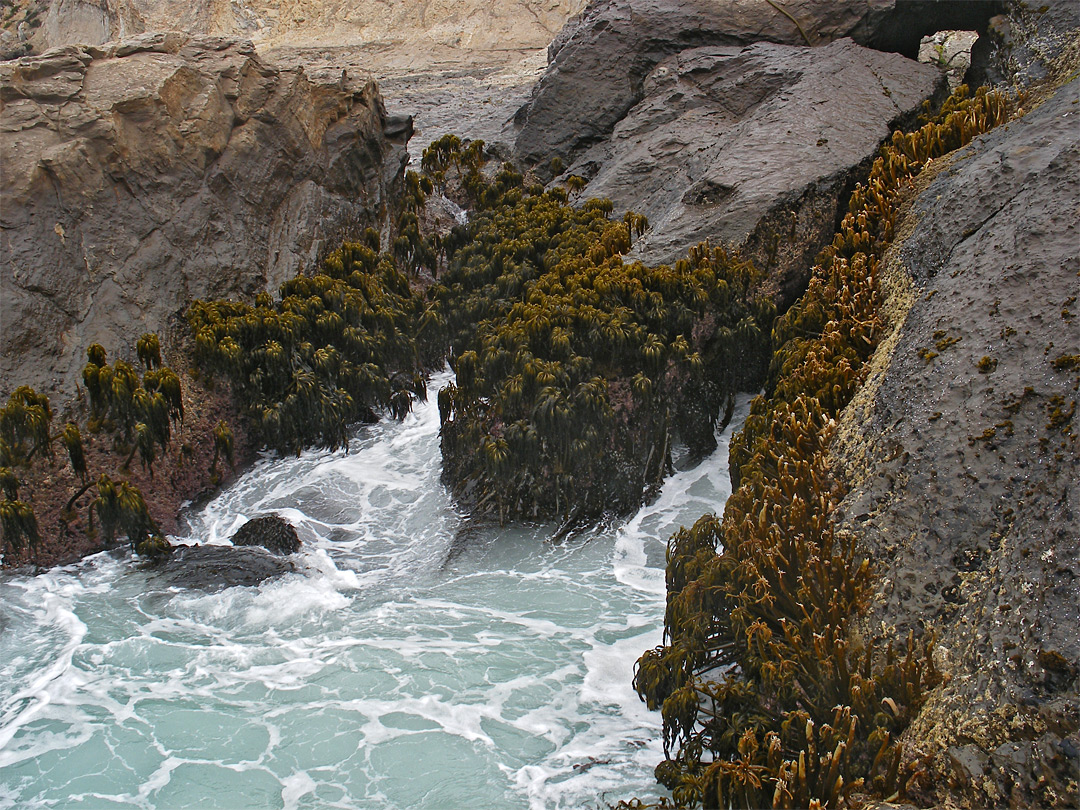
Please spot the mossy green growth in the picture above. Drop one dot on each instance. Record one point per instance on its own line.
(574, 368)
(767, 698)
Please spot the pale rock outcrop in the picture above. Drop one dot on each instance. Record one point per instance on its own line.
(468, 24)
(150, 172)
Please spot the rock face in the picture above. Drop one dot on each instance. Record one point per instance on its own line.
(961, 450)
(272, 532)
(479, 24)
(211, 568)
(145, 174)
(1023, 44)
(599, 62)
(754, 146)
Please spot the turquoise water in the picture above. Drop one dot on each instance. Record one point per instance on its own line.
(400, 668)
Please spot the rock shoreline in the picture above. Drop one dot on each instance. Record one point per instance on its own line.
(964, 465)
(958, 453)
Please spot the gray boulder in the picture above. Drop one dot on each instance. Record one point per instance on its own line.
(211, 568)
(272, 532)
(148, 172)
(754, 146)
(598, 64)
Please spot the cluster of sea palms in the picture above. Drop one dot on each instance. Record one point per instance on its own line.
(24, 432)
(806, 717)
(137, 412)
(574, 369)
(140, 411)
(324, 354)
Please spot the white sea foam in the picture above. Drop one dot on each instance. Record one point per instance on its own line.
(382, 675)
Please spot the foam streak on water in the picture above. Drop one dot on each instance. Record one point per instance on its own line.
(397, 670)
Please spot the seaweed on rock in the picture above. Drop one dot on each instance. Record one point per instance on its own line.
(58, 508)
(575, 369)
(332, 348)
(767, 697)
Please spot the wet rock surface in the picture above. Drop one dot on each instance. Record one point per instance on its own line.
(212, 568)
(1024, 41)
(599, 62)
(271, 532)
(146, 173)
(961, 450)
(754, 146)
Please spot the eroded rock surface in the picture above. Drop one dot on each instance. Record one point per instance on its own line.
(599, 62)
(961, 450)
(478, 24)
(1023, 44)
(754, 146)
(153, 171)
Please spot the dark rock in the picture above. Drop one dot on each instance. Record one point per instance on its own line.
(754, 146)
(211, 568)
(984, 508)
(1021, 45)
(146, 173)
(599, 62)
(272, 532)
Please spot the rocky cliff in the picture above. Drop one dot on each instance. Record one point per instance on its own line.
(599, 63)
(146, 173)
(746, 125)
(472, 24)
(957, 464)
(754, 146)
(139, 175)
(962, 454)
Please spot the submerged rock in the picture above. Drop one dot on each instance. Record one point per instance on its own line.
(211, 568)
(272, 532)
(148, 172)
